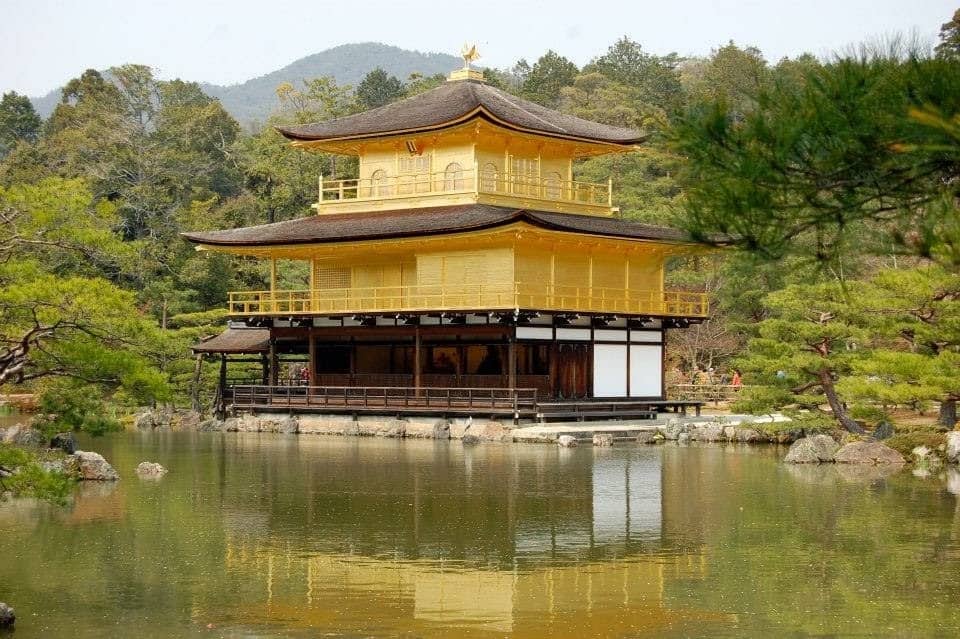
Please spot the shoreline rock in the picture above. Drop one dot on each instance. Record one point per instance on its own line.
(868, 453)
(816, 449)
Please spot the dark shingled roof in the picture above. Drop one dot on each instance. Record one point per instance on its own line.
(354, 227)
(236, 340)
(453, 102)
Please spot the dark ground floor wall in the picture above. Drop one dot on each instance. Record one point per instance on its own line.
(568, 362)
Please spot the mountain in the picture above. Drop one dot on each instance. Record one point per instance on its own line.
(253, 100)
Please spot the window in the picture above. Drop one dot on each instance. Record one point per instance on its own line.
(488, 178)
(552, 184)
(414, 174)
(379, 183)
(525, 175)
(334, 282)
(453, 177)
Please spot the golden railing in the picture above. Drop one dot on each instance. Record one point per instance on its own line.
(469, 297)
(465, 181)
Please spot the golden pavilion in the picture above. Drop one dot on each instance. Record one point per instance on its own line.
(464, 261)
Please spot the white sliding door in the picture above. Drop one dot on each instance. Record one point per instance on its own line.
(610, 370)
(646, 370)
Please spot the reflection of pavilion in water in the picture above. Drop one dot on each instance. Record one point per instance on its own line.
(580, 561)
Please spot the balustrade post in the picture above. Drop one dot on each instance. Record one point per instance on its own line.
(320, 190)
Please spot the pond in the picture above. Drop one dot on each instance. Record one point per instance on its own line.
(283, 536)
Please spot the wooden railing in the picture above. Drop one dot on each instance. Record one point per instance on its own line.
(465, 181)
(469, 297)
(512, 401)
(715, 393)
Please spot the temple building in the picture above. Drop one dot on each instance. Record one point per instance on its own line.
(465, 255)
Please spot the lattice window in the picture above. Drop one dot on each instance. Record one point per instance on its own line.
(453, 177)
(488, 178)
(552, 185)
(525, 175)
(331, 277)
(380, 183)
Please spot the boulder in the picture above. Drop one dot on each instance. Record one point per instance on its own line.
(812, 450)
(646, 437)
(150, 470)
(94, 467)
(868, 453)
(729, 433)
(489, 431)
(231, 424)
(7, 616)
(603, 439)
(953, 446)
(69, 466)
(23, 435)
(684, 438)
(566, 441)
(708, 432)
(421, 428)
(672, 429)
(469, 440)
(212, 425)
(746, 435)
(145, 421)
(65, 442)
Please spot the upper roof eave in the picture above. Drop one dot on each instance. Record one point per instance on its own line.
(453, 103)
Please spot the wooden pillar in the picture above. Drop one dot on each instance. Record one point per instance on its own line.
(512, 360)
(312, 350)
(416, 358)
(223, 372)
(274, 364)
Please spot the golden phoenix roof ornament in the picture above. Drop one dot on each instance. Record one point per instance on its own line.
(469, 53)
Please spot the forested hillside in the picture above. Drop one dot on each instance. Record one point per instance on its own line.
(251, 102)
(833, 183)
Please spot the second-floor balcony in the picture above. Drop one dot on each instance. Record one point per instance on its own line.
(547, 193)
(468, 297)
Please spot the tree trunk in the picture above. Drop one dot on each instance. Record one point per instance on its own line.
(839, 412)
(948, 413)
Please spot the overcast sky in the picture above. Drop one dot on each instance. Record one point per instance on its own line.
(43, 43)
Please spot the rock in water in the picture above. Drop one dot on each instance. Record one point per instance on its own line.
(150, 470)
(646, 437)
(953, 446)
(567, 441)
(94, 467)
(812, 450)
(65, 442)
(7, 616)
(868, 453)
(603, 439)
(884, 430)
